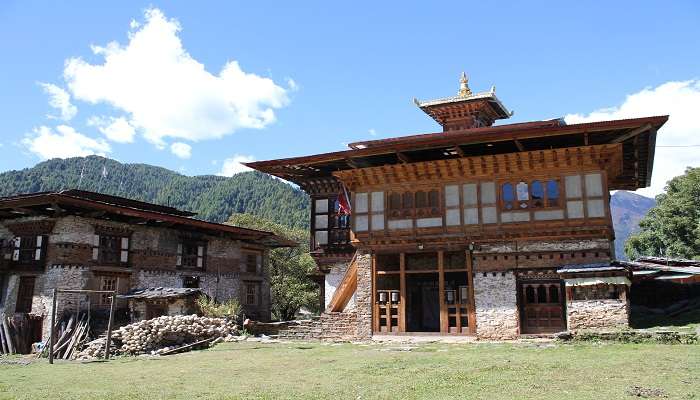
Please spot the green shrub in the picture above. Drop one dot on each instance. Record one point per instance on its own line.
(210, 308)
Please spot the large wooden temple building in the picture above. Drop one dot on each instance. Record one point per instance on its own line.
(480, 229)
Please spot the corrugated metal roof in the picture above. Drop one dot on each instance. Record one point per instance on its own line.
(597, 267)
(160, 293)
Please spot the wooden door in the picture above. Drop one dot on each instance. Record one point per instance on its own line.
(25, 294)
(541, 307)
(387, 311)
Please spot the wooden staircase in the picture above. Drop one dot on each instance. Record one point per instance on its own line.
(346, 289)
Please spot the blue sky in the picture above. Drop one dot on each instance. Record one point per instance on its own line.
(189, 85)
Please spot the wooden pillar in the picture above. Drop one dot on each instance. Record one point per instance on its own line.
(109, 324)
(375, 306)
(402, 288)
(471, 307)
(52, 329)
(441, 292)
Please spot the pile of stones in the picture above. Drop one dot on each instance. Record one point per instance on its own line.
(163, 333)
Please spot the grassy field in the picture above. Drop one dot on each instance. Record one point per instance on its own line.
(389, 371)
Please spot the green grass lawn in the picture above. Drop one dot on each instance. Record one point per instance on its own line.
(350, 371)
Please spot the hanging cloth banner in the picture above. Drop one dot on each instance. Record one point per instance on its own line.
(344, 207)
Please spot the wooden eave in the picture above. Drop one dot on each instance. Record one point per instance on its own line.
(44, 204)
(606, 157)
(637, 136)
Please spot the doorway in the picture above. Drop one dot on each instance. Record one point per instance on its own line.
(422, 303)
(541, 307)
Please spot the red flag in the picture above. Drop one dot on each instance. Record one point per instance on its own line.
(344, 207)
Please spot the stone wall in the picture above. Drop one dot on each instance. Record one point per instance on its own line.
(495, 298)
(341, 326)
(597, 314)
(363, 296)
(69, 264)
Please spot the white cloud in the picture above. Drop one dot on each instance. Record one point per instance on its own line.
(182, 150)
(166, 92)
(372, 132)
(115, 129)
(60, 100)
(681, 101)
(63, 142)
(233, 165)
(292, 85)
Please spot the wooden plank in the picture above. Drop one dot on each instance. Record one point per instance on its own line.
(632, 133)
(402, 295)
(346, 289)
(471, 307)
(441, 292)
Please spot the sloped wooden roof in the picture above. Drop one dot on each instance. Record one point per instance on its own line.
(637, 135)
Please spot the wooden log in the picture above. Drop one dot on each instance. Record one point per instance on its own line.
(8, 337)
(53, 325)
(186, 347)
(3, 347)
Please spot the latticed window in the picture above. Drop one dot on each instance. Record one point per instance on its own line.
(28, 249)
(533, 195)
(252, 293)
(108, 283)
(251, 263)
(110, 249)
(421, 203)
(191, 254)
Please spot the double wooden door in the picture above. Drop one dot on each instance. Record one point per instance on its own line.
(541, 307)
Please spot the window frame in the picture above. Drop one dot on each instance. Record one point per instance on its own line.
(246, 254)
(199, 256)
(105, 299)
(410, 203)
(122, 250)
(530, 201)
(36, 251)
(257, 292)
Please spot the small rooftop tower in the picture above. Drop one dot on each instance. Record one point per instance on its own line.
(466, 110)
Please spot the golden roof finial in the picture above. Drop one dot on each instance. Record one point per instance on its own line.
(464, 90)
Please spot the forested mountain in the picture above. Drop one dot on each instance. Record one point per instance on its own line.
(627, 210)
(214, 198)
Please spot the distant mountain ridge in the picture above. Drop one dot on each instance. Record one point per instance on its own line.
(627, 209)
(213, 198)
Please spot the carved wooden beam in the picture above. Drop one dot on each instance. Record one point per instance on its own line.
(632, 133)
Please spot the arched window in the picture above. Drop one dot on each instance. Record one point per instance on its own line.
(507, 195)
(407, 209)
(434, 198)
(537, 190)
(421, 199)
(542, 294)
(529, 295)
(554, 294)
(522, 193)
(395, 201)
(552, 193)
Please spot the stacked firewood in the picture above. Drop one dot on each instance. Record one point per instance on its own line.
(15, 334)
(162, 335)
(71, 336)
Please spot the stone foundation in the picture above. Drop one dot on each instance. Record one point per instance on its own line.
(496, 306)
(597, 314)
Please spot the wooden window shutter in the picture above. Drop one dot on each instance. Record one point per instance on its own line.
(39, 246)
(15, 252)
(124, 255)
(200, 256)
(95, 247)
(178, 262)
